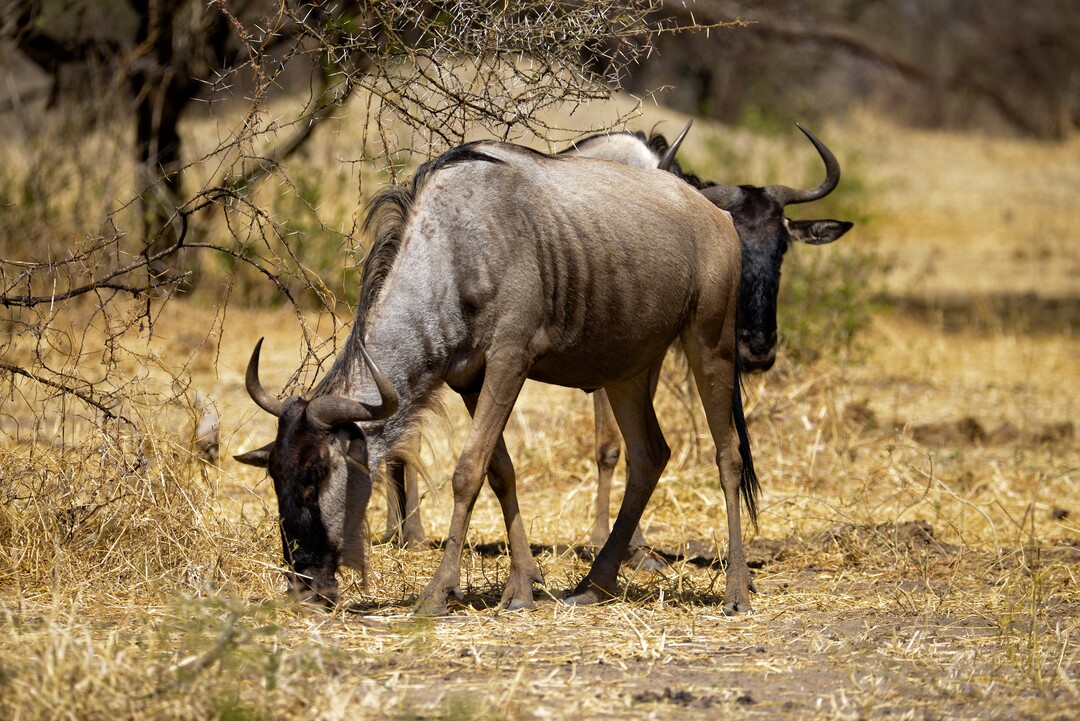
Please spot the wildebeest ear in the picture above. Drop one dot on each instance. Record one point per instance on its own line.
(259, 457)
(817, 232)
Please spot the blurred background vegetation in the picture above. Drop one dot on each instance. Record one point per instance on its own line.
(223, 151)
(996, 66)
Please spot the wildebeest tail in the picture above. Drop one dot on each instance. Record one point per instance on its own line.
(749, 484)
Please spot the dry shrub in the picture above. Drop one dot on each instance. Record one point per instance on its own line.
(120, 522)
(103, 515)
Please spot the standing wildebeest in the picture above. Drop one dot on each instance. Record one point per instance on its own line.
(500, 264)
(758, 213)
(765, 234)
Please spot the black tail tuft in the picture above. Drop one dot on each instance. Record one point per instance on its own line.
(749, 484)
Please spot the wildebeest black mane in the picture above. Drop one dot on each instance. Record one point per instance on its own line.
(659, 144)
(386, 214)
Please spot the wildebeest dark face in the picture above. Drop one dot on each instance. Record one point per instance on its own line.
(322, 481)
(764, 242)
(765, 234)
(319, 465)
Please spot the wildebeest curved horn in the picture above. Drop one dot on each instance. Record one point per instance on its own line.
(254, 388)
(786, 196)
(329, 411)
(669, 154)
(723, 196)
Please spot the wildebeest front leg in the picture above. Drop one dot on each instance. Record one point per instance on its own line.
(412, 529)
(647, 454)
(502, 383)
(395, 501)
(518, 592)
(714, 375)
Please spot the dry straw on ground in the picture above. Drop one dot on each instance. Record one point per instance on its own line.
(917, 556)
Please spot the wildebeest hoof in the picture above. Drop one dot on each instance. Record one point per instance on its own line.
(586, 594)
(586, 598)
(518, 604)
(737, 607)
(398, 540)
(432, 601)
(323, 595)
(518, 593)
(430, 607)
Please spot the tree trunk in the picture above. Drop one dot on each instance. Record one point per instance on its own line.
(162, 88)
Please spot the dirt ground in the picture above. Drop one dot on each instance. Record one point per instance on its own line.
(887, 589)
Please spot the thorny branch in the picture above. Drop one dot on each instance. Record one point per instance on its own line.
(9, 298)
(425, 74)
(108, 411)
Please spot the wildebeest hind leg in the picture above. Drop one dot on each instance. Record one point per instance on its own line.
(647, 454)
(714, 375)
(608, 447)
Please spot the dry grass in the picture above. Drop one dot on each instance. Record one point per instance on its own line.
(917, 556)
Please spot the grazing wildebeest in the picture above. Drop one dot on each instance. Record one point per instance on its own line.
(496, 265)
(765, 234)
(403, 522)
